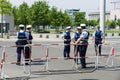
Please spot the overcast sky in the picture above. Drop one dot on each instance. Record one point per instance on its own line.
(84, 5)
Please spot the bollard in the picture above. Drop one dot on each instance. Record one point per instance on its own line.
(105, 34)
(119, 34)
(40, 35)
(57, 36)
(47, 36)
(91, 34)
(112, 34)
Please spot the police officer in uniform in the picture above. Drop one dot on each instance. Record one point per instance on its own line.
(30, 38)
(83, 41)
(75, 37)
(21, 41)
(67, 40)
(28, 49)
(98, 39)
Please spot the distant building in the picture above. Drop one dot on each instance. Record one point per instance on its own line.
(10, 21)
(115, 14)
(110, 15)
(96, 15)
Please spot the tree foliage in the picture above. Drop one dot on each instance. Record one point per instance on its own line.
(79, 18)
(92, 23)
(118, 22)
(5, 7)
(22, 14)
(41, 14)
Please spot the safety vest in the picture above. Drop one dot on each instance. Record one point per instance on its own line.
(68, 37)
(85, 38)
(22, 40)
(77, 35)
(98, 35)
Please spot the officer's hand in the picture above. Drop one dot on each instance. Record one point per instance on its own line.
(65, 39)
(103, 41)
(73, 43)
(92, 41)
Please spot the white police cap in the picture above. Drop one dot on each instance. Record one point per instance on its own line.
(21, 25)
(79, 27)
(68, 27)
(28, 26)
(82, 24)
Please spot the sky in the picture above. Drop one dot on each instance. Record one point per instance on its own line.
(84, 5)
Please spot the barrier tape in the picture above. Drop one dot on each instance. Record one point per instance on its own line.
(47, 53)
(54, 44)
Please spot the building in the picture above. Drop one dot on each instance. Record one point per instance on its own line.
(96, 16)
(115, 14)
(110, 15)
(9, 20)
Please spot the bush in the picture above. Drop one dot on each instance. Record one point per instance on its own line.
(43, 31)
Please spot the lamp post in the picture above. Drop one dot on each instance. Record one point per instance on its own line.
(102, 14)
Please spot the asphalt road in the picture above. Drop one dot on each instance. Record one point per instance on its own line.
(60, 69)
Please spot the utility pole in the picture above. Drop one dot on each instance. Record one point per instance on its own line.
(102, 14)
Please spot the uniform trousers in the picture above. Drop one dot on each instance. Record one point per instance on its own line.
(82, 54)
(26, 53)
(66, 51)
(98, 46)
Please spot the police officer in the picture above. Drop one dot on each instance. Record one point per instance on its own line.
(21, 41)
(28, 49)
(83, 41)
(98, 39)
(75, 37)
(28, 30)
(67, 39)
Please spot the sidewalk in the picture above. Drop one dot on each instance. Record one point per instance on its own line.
(52, 37)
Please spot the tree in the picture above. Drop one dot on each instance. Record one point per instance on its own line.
(22, 14)
(79, 18)
(66, 20)
(93, 23)
(54, 17)
(14, 11)
(108, 22)
(118, 22)
(112, 24)
(5, 8)
(40, 14)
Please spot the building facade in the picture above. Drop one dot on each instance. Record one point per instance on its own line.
(10, 21)
(96, 16)
(110, 15)
(115, 14)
